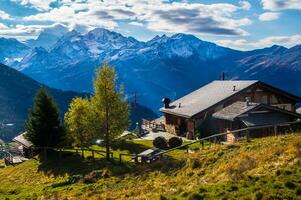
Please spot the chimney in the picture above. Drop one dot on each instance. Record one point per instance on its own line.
(166, 102)
(223, 76)
(234, 88)
(247, 101)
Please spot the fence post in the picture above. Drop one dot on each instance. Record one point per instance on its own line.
(120, 159)
(202, 144)
(60, 154)
(45, 153)
(187, 149)
(93, 155)
(275, 130)
(248, 135)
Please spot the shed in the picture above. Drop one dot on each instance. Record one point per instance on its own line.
(246, 114)
(25, 145)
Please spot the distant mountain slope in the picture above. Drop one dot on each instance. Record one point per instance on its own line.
(16, 98)
(276, 65)
(162, 67)
(12, 51)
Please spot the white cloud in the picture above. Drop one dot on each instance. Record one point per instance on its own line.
(4, 15)
(196, 18)
(136, 24)
(287, 41)
(242, 44)
(239, 44)
(276, 5)
(269, 16)
(23, 32)
(245, 5)
(37, 4)
(3, 27)
(157, 15)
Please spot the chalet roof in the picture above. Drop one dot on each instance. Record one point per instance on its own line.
(22, 140)
(267, 118)
(239, 108)
(206, 96)
(234, 110)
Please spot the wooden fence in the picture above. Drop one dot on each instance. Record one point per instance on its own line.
(140, 158)
(217, 137)
(9, 158)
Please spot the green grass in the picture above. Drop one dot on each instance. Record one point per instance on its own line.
(268, 168)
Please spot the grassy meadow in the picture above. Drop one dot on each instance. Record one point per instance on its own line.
(267, 168)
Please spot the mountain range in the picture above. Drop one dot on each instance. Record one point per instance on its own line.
(166, 66)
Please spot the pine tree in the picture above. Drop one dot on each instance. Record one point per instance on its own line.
(111, 111)
(43, 125)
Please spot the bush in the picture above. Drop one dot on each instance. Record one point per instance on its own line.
(92, 177)
(175, 142)
(243, 163)
(160, 142)
(74, 179)
(196, 197)
(290, 185)
(163, 197)
(258, 195)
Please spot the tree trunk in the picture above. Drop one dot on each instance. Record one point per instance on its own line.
(107, 136)
(83, 154)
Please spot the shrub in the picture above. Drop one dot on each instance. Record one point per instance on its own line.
(175, 142)
(236, 170)
(290, 185)
(258, 195)
(160, 142)
(184, 194)
(74, 179)
(196, 197)
(195, 164)
(92, 177)
(163, 197)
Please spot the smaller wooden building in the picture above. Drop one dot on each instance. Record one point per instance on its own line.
(25, 146)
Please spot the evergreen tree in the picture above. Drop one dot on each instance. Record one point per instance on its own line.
(111, 111)
(78, 123)
(43, 125)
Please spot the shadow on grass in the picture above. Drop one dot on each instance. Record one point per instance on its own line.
(69, 163)
(72, 163)
(132, 148)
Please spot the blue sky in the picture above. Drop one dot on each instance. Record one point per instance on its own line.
(242, 24)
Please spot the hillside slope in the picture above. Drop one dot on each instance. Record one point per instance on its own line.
(268, 168)
(16, 97)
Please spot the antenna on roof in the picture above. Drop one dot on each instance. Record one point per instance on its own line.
(223, 76)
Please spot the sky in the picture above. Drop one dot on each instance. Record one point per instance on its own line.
(241, 24)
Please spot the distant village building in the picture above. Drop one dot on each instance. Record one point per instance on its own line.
(25, 146)
(229, 105)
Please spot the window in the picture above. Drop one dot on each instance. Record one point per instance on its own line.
(264, 99)
(274, 99)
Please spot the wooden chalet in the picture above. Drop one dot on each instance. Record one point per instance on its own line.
(229, 105)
